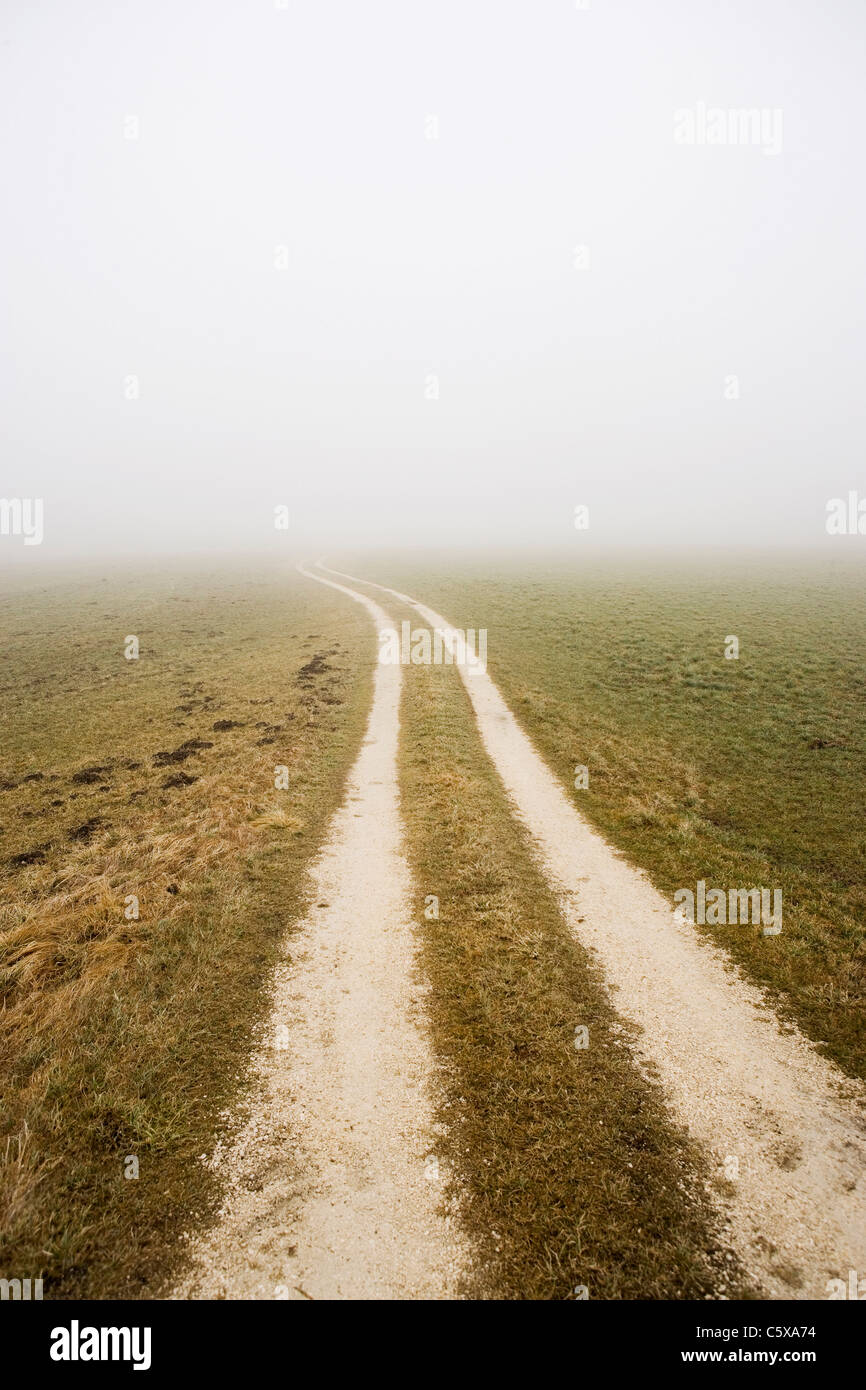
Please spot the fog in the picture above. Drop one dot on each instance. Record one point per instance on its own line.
(430, 274)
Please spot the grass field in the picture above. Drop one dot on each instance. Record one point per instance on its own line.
(746, 772)
(125, 1035)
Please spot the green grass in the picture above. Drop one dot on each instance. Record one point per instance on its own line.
(131, 1037)
(567, 1169)
(742, 773)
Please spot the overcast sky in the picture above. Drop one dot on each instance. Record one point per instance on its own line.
(290, 227)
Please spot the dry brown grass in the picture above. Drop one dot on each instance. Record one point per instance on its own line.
(130, 1036)
(61, 936)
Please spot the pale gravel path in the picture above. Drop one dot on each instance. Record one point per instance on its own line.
(328, 1194)
(796, 1215)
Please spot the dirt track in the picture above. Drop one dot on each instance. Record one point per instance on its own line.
(762, 1103)
(329, 1190)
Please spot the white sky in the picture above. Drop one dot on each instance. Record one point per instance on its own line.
(304, 127)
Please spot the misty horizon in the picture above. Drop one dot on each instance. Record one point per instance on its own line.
(251, 261)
